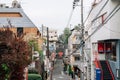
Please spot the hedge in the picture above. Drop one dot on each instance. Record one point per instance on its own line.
(34, 77)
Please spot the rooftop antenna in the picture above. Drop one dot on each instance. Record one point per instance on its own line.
(20, 2)
(15, 4)
(9, 23)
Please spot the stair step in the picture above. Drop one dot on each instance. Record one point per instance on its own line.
(106, 73)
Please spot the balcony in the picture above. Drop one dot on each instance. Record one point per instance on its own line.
(76, 60)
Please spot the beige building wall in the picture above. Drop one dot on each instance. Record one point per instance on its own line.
(30, 33)
(40, 43)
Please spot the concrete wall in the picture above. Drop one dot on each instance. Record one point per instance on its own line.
(109, 30)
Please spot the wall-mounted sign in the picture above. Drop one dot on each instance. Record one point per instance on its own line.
(101, 47)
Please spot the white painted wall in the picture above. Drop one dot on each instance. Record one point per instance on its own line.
(73, 39)
(110, 30)
(53, 35)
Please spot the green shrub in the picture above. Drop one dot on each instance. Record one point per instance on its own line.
(32, 71)
(34, 77)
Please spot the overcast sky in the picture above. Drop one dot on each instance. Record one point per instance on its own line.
(52, 13)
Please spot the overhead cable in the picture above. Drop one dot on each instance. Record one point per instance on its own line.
(111, 14)
(97, 13)
(70, 17)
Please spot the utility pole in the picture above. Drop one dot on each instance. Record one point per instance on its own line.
(42, 30)
(82, 25)
(48, 54)
(82, 34)
(82, 15)
(47, 42)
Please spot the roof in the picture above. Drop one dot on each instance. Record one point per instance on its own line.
(23, 21)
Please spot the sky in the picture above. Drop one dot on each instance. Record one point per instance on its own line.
(52, 13)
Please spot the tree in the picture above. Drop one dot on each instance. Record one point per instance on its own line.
(64, 37)
(15, 55)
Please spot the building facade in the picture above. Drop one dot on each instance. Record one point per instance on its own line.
(14, 17)
(74, 52)
(102, 43)
(52, 36)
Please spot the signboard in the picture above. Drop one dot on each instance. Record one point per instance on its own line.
(101, 47)
(60, 54)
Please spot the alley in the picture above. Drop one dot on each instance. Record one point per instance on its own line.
(60, 40)
(58, 71)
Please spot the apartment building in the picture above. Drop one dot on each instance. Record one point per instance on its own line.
(53, 37)
(73, 50)
(102, 42)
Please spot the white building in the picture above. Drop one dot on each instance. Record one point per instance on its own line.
(73, 50)
(53, 38)
(35, 57)
(103, 40)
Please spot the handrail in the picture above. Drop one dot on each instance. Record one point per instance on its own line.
(110, 70)
(99, 66)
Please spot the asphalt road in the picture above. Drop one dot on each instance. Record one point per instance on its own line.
(58, 71)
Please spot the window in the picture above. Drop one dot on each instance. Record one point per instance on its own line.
(19, 31)
(51, 36)
(77, 58)
(75, 46)
(55, 36)
(108, 48)
(113, 53)
(10, 14)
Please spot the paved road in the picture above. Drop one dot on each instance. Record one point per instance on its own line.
(58, 71)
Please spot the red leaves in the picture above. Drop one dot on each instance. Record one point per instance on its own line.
(14, 50)
(17, 51)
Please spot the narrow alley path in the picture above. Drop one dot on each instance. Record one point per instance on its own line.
(58, 71)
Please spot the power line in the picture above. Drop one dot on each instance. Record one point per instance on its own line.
(107, 16)
(71, 14)
(111, 30)
(106, 20)
(88, 15)
(97, 13)
(111, 14)
(70, 17)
